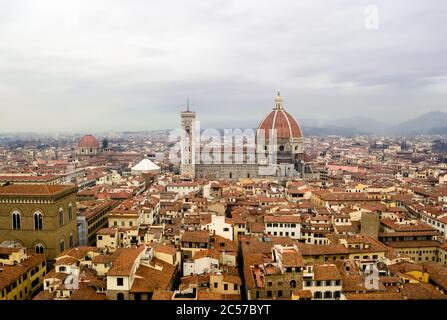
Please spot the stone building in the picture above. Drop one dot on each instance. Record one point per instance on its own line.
(91, 218)
(261, 157)
(89, 150)
(370, 224)
(88, 146)
(274, 277)
(40, 217)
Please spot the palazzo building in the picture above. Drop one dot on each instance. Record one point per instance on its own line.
(41, 218)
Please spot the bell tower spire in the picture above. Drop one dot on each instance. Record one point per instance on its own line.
(188, 124)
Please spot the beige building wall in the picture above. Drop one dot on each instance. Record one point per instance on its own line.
(51, 234)
(217, 284)
(420, 254)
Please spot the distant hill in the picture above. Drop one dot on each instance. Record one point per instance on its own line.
(439, 131)
(322, 131)
(352, 125)
(429, 123)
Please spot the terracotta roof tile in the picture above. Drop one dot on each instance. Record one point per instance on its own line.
(148, 279)
(125, 261)
(35, 189)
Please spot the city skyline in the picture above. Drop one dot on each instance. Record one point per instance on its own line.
(79, 68)
(223, 155)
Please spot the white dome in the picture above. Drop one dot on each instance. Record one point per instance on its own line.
(145, 165)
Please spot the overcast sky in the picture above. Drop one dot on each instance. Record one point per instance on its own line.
(92, 66)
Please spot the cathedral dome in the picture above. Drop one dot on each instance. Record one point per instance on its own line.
(88, 141)
(285, 124)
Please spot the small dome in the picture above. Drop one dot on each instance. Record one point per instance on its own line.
(88, 141)
(145, 165)
(286, 126)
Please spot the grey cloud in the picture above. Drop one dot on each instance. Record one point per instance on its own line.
(118, 65)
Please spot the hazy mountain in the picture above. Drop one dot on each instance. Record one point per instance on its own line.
(352, 125)
(438, 131)
(323, 131)
(429, 123)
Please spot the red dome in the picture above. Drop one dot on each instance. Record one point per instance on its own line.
(286, 126)
(88, 141)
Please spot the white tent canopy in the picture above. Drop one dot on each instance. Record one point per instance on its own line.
(145, 165)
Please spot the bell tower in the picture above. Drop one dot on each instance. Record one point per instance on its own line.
(187, 165)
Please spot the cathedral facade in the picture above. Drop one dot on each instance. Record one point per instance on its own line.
(275, 150)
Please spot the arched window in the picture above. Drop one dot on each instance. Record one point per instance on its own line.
(62, 245)
(70, 212)
(120, 296)
(293, 284)
(38, 220)
(16, 220)
(231, 175)
(61, 217)
(317, 295)
(38, 248)
(71, 241)
(328, 295)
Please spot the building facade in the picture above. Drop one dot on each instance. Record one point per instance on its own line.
(41, 218)
(21, 275)
(266, 157)
(92, 219)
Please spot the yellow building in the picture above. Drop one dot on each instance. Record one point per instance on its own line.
(442, 254)
(168, 254)
(123, 218)
(21, 276)
(107, 238)
(411, 273)
(418, 250)
(225, 283)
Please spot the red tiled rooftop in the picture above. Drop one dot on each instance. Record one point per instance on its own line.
(35, 189)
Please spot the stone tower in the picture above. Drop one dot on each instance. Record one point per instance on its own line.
(187, 165)
(370, 224)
